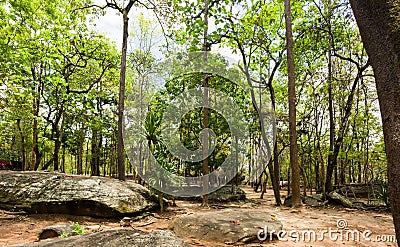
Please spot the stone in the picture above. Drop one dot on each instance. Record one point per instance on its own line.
(227, 193)
(41, 192)
(115, 238)
(225, 226)
(336, 197)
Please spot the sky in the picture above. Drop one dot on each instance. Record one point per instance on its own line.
(111, 26)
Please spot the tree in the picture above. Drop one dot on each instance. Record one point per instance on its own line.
(378, 23)
(205, 144)
(294, 160)
(124, 10)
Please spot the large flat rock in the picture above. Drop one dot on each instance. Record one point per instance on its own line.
(115, 238)
(44, 192)
(225, 226)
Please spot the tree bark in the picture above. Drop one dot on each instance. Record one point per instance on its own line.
(332, 161)
(205, 167)
(121, 156)
(294, 160)
(382, 43)
(21, 133)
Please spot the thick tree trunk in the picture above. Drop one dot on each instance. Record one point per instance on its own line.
(382, 43)
(294, 159)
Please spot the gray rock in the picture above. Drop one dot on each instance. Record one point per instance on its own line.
(227, 193)
(334, 196)
(225, 226)
(40, 192)
(115, 238)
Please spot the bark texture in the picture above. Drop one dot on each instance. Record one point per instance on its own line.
(376, 21)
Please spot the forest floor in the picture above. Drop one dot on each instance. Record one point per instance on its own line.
(20, 228)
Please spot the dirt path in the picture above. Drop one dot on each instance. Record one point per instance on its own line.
(304, 222)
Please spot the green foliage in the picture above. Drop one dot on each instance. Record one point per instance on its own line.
(78, 229)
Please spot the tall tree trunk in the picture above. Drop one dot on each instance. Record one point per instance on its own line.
(121, 156)
(381, 42)
(332, 161)
(294, 159)
(275, 170)
(205, 113)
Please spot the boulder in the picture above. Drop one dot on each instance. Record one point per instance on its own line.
(227, 193)
(115, 238)
(44, 192)
(225, 226)
(338, 198)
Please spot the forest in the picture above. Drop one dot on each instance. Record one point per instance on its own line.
(293, 99)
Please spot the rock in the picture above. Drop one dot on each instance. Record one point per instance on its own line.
(115, 238)
(336, 197)
(56, 231)
(227, 193)
(41, 192)
(126, 221)
(225, 226)
(355, 190)
(289, 202)
(314, 200)
(93, 228)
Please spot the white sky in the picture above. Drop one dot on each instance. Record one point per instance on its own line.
(111, 26)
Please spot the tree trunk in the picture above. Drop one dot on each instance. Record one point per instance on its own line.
(294, 160)
(381, 42)
(275, 174)
(80, 151)
(21, 133)
(36, 105)
(121, 156)
(332, 161)
(57, 142)
(95, 160)
(206, 169)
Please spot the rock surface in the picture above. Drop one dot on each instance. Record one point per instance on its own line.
(115, 238)
(225, 226)
(227, 193)
(43, 192)
(56, 231)
(313, 201)
(336, 197)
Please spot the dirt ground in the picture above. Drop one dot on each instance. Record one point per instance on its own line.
(374, 228)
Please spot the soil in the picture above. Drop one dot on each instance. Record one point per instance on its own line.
(23, 228)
